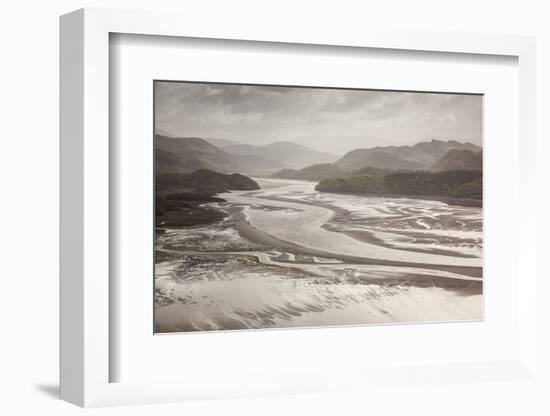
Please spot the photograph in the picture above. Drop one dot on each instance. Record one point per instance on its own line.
(283, 206)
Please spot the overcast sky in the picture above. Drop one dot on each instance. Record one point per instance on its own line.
(331, 120)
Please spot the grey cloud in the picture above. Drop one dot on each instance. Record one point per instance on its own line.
(260, 114)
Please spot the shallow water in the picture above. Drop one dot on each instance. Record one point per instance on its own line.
(301, 213)
(213, 278)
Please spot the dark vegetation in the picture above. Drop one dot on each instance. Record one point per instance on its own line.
(178, 214)
(179, 197)
(188, 154)
(204, 180)
(432, 183)
(470, 190)
(193, 197)
(453, 183)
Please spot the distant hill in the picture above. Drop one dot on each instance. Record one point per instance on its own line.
(294, 161)
(316, 172)
(162, 132)
(420, 156)
(204, 180)
(221, 143)
(287, 154)
(256, 164)
(212, 140)
(187, 154)
(459, 159)
(242, 149)
(337, 143)
(167, 162)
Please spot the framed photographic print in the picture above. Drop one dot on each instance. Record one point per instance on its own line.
(365, 214)
(251, 213)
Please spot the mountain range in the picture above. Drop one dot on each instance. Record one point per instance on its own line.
(294, 161)
(420, 156)
(187, 154)
(435, 155)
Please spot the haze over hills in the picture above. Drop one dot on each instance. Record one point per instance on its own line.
(294, 161)
(422, 155)
(221, 143)
(288, 154)
(345, 143)
(187, 154)
(191, 170)
(256, 164)
(430, 155)
(316, 172)
(338, 145)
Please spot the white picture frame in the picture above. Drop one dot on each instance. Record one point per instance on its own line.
(85, 210)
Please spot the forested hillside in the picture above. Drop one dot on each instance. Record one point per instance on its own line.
(456, 183)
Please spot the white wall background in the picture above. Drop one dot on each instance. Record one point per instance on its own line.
(29, 179)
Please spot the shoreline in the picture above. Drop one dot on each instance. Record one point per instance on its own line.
(449, 200)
